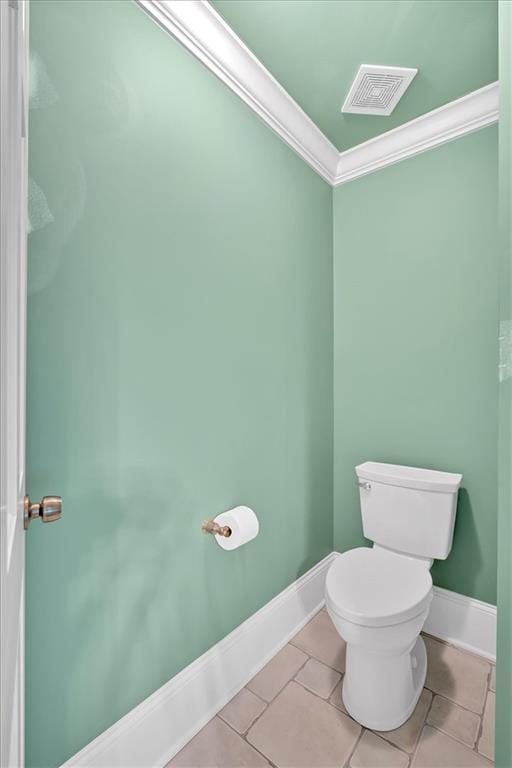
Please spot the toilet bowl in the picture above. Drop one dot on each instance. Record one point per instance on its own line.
(379, 597)
(378, 601)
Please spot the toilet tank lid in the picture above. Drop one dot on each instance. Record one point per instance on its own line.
(409, 477)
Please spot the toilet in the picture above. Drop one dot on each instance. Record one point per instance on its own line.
(378, 597)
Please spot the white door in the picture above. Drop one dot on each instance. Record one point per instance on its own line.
(13, 58)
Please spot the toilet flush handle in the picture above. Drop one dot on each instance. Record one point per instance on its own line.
(364, 484)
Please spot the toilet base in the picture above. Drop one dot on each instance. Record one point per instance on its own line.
(381, 691)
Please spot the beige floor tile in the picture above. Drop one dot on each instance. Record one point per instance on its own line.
(274, 676)
(318, 678)
(406, 737)
(299, 730)
(336, 700)
(374, 752)
(486, 740)
(492, 680)
(241, 712)
(217, 745)
(320, 639)
(454, 721)
(456, 675)
(436, 750)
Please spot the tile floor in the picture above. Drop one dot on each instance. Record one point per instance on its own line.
(291, 714)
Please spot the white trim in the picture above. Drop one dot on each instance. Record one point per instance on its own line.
(198, 26)
(153, 732)
(13, 217)
(463, 621)
(206, 35)
(453, 120)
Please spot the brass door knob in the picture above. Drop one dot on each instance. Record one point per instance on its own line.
(48, 509)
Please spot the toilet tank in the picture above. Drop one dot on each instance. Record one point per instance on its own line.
(408, 509)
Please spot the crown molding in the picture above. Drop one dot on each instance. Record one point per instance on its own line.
(197, 26)
(451, 121)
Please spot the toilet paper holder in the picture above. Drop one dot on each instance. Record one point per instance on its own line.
(210, 526)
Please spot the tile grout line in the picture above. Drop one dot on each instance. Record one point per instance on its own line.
(363, 728)
(416, 746)
(450, 735)
(303, 685)
(351, 755)
(479, 735)
(479, 715)
(474, 748)
(456, 703)
(410, 755)
(267, 704)
(337, 709)
(288, 681)
(242, 736)
(380, 734)
(315, 658)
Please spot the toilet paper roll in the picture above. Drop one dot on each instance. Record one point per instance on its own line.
(244, 527)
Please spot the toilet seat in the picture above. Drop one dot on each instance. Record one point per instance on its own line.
(376, 588)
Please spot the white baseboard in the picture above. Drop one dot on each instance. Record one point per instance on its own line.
(152, 733)
(464, 622)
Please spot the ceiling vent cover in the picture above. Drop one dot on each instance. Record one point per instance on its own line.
(377, 90)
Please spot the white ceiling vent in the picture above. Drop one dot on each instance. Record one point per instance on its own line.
(377, 90)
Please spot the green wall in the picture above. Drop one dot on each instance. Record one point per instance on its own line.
(504, 655)
(415, 339)
(180, 363)
(180, 359)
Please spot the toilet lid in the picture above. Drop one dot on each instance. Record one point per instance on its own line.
(374, 587)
